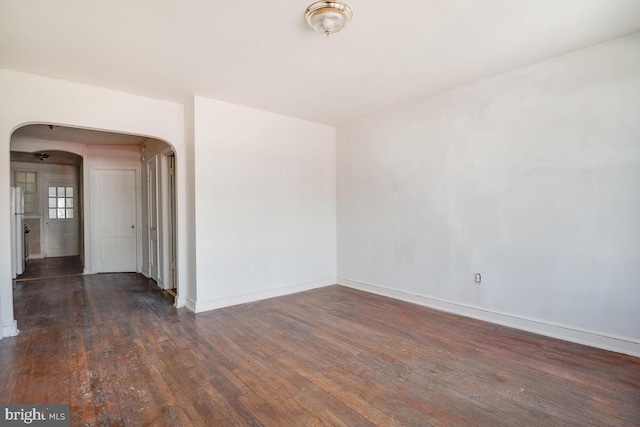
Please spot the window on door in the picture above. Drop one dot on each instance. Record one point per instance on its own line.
(61, 204)
(28, 182)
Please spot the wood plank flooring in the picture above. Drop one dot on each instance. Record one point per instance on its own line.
(51, 267)
(113, 347)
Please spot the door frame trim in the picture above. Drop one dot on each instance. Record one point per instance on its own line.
(157, 190)
(169, 221)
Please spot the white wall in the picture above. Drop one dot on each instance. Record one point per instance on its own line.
(189, 200)
(265, 204)
(33, 99)
(531, 178)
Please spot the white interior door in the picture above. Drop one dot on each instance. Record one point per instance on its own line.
(152, 212)
(61, 237)
(115, 215)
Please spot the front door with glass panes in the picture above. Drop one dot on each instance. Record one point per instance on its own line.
(61, 220)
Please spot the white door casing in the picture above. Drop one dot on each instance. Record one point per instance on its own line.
(170, 276)
(17, 235)
(152, 214)
(166, 220)
(115, 219)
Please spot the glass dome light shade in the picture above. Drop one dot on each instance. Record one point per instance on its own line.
(328, 17)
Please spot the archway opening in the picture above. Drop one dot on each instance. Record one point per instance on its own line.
(70, 165)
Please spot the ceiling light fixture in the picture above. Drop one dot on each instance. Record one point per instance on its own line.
(42, 156)
(328, 17)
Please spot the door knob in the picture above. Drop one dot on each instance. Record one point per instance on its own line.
(133, 226)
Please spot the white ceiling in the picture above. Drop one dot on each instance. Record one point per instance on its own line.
(76, 135)
(261, 53)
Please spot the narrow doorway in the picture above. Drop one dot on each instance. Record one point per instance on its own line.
(159, 215)
(173, 242)
(152, 211)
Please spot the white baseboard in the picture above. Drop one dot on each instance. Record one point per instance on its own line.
(190, 304)
(10, 330)
(596, 339)
(199, 307)
(180, 302)
(36, 256)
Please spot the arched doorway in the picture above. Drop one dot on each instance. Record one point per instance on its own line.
(103, 160)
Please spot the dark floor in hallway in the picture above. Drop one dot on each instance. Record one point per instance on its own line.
(51, 267)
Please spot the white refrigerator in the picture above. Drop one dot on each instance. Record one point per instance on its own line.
(17, 232)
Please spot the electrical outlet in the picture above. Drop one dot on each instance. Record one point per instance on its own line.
(252, 269)
(478, 278)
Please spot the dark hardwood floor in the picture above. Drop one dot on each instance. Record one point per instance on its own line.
(113, 347)
(51, 267)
